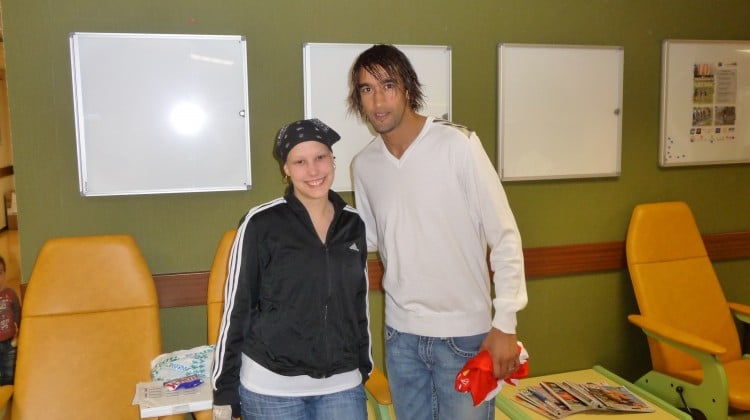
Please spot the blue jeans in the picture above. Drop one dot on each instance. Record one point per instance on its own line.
(348, 404)
(7, 362)
(422, 374)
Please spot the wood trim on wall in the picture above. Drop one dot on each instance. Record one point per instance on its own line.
(6, 171)
(189, 289)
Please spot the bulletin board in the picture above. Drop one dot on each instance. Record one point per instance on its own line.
(160, 113)
(559, 111)
(326, 70)
(705, 103)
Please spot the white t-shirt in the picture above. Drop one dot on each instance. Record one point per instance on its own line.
(260, 380)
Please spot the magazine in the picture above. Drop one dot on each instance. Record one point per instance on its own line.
(543, 403)
(573, 403)
(155, 399)
(618, 398)
(579, 392)
(560, 399)
(533, 407)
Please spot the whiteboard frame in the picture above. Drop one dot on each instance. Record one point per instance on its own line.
(680, 143)
(330, 106)
(122, 151)
(523, 151)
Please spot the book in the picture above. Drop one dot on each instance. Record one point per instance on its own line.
(156, 400)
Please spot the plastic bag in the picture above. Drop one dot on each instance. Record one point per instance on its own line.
(181, 363)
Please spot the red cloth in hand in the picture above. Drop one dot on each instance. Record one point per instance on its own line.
(477, 376)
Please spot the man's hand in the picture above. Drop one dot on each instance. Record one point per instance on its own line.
(503, 349)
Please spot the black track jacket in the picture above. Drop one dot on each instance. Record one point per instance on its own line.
(293, 304)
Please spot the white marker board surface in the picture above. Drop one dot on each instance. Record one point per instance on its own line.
(326, 70)
(160, 113)
(559, 111)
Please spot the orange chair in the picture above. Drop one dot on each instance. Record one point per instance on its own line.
(376, 387)
(215, 296)
(217, 277)
(693, 340)
(90, 328)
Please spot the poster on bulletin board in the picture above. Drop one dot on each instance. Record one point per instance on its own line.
(705, 103)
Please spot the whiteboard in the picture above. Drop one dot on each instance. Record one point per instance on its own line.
(705, 103)
(559, 111)
(158, 113)
(326, 70)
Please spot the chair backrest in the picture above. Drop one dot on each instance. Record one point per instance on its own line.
(216, 279)
(89, 330)
(675, 283)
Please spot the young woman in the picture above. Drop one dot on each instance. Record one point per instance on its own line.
(295, 338)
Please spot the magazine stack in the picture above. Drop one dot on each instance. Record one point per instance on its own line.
(560, 399)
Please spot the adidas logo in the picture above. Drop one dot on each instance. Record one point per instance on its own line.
(353, 247)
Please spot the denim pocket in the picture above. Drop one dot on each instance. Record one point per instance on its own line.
(467, 347)
(390, 333)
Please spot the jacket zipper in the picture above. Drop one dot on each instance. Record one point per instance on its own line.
(325, 309)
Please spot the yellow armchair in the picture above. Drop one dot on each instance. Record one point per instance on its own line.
(693, 339)
(90, 327)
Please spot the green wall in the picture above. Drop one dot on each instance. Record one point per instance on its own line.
(571, 322)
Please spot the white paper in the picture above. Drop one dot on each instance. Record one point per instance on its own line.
(156, 400)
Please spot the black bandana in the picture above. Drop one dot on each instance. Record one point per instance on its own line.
(300, 131)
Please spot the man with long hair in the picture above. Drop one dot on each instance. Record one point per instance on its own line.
(433, 204)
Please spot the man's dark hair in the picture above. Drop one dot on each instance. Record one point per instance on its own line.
(384, 61)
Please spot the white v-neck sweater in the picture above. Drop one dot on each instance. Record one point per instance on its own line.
(431, 215)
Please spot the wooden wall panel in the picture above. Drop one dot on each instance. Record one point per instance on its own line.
(189, 289)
